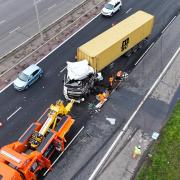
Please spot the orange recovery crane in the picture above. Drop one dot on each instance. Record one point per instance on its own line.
(25, 158)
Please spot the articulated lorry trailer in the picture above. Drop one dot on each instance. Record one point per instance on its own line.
(123, 38)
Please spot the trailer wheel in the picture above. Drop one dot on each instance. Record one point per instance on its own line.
(128, 54)
(135, 48)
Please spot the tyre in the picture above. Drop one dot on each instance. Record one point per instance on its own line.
(27, 87)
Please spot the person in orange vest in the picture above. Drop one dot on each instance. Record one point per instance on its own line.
(101, 97)
(119, 75)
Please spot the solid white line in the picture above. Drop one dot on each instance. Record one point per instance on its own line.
(1, 22)
(54, 49)
(168, 24)
(43, 28)
(14, 29)
(43, 114)
(63, 69)
(128, 10)
(63, 151)
(6, 87)
(108, 153)
(14, 113)
(51, 7)
(25, 131)
(67, 39)
(144, 53)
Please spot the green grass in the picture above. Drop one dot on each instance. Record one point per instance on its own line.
(165, 161)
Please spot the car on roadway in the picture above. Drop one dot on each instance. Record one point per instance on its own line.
(27, 77)
(111, 7)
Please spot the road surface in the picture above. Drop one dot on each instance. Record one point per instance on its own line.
(18, 20)
(19, 109)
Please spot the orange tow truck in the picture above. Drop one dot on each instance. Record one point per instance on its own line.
(25, 158)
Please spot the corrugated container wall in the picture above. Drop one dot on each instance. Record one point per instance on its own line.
(111, 44)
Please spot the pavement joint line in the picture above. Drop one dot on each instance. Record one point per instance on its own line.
(144, 53)
(128, 10)
(168, 24)
(114, 144)
(63, 69)
(63, 151)
(14, 113)
(14, 30)
(48, 53)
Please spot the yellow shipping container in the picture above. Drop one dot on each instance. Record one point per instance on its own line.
(111, 44)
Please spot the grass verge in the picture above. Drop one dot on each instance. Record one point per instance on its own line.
(164, 163)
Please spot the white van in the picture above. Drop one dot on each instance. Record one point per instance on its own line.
(111, 7)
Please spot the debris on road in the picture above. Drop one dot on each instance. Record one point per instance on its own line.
(155, 135)
(111, 120)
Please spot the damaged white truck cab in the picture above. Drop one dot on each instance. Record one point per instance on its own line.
(79, 81)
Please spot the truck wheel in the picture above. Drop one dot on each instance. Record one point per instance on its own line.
(128, 54)
(135, 49)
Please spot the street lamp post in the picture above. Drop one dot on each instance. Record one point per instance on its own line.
(37, 16)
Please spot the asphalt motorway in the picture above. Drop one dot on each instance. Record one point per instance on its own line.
(31, 103)
(18, 20)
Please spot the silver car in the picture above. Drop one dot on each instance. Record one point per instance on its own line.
(27, 77)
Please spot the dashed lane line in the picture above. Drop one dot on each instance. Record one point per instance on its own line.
(14, 30)
(128, 10)
(51, 7)
(14, 113)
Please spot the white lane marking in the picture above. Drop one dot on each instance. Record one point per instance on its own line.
(6, 87)
(51, 7)
(25, 131)
(63, 69)
(67, 39)
(14, 113)
(108, 153)
(14, 30)
(144, 53)
(3, 21)
(168, 24)
(37, 1)
(63, 151)
(43, 114)
(54, 49)
(128, 10)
